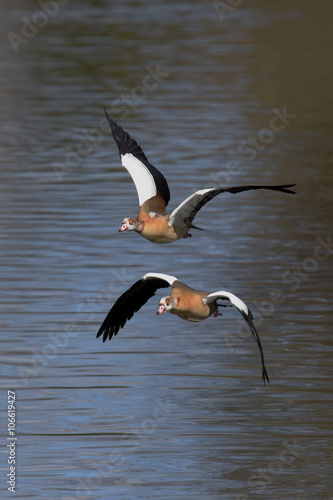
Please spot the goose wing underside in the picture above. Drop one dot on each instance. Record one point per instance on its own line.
(188, 209)
(247, 315)
(131, 301)
(149, 182)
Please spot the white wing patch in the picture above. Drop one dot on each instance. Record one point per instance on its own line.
(186, 208)
(237, 302)
(142, 178)
(165, 277)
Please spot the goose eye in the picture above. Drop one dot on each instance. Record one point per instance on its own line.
(167, 302)
(131, 221)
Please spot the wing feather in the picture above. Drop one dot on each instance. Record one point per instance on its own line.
(131, 301)
(247, 315)
(149, 181)
(188, 209)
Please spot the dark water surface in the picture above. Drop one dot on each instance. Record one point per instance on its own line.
(167, 409)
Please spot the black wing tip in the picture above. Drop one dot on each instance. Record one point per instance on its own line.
(108, 117)
(107, 333)
(249, 319)
(285, 188)
(113, 124)
(100, 333)
(265, 376)
(125, 143)
(192, 226)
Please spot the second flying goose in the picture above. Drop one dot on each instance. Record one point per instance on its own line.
(184, 301)
(152, 221)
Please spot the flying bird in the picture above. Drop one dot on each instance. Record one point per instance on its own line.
(184, 301)
(152, 222)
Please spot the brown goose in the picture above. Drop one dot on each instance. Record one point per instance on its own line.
(184, 301)
(152, 222)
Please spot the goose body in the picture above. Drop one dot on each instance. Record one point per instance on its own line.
(152, 222)
(186, 302)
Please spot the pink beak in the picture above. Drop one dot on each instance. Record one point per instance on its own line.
(122, 228)
(161, 309)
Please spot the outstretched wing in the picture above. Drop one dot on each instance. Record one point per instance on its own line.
(131, 301)
(189, 208)
(149, 181)
(247, 315)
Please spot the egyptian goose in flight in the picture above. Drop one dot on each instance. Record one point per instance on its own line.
(152, 222)
(187, 303)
